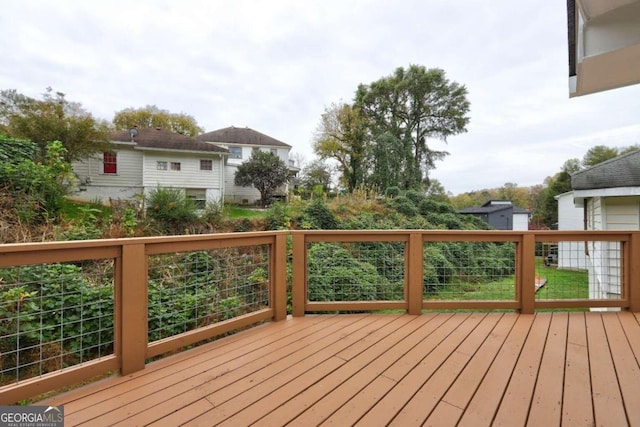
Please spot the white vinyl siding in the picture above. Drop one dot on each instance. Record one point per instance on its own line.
(622, 213)
(189, 174)
(129, 172)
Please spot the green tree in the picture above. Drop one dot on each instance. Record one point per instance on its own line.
(408, 108)
(152, 117)
(53, 118)
(599, 154)
(317, 174)
(264, 171)
(341, 136)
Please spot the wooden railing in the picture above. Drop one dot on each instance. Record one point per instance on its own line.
(132, 349)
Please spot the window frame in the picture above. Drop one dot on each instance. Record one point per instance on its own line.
(235, 152)
(176, 166)
(162, 165)
(208, 162)
(109, 163)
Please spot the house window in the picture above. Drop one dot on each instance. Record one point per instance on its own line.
(175, 166)
(235, 152)
(109, 163)
(161, 166)
(206, 165)
(198, 195)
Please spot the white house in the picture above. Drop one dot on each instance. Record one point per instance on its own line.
(241, 142)
(609, 193)
(571, 255)
(145, 159)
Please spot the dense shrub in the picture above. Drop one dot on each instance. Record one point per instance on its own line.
(278, 217)
(171, 209)
(404, 205)
(334, 275)
(415, 196)
(392, 192)
(319, 217)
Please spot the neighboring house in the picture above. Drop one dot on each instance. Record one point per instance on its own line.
(571, 255)
(241, 142)
(501, 215)
(145, 159)
(609, 193)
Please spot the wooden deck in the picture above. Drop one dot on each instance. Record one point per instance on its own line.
(468, 369)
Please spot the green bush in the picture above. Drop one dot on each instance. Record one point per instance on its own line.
(334, 275)
(404, 205)
(171, 209)
(278, 217)
(392, 192)
(318, 215)
(39, 189)
(415, 196)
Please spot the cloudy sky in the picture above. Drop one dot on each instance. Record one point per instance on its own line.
(275, 65)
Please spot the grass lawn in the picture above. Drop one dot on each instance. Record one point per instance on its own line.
(561, 284)
(243, 212)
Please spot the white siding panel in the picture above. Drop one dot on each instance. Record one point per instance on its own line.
(235, 193)
(520, 221)
(622, 213)
(189, 175)
(129, 169)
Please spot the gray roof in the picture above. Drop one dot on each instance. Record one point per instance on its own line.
(489, 207)
(244, 136)
(163, 139)
(622, 171)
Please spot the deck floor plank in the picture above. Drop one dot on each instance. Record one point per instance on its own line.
(577, 405)
(486, 401)
(434, 388)
(607, 401)
(452, 406)
(516, 402)
(626, 365)
(356, 357)
(434, 369)
(546, 406)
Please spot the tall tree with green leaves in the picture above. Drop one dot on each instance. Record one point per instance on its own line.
(341, 137)
(53, 118)
(264, 171)
(403, 112)
(152, 117)
(316, 175)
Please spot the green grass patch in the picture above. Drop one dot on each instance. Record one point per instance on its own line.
(236, 212)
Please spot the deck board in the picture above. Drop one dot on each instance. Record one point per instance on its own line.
(435, 369)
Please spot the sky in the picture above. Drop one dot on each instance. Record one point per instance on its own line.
(274, 66)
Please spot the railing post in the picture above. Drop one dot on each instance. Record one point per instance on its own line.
(414, 274)
(633, 262)
(279, 283)
(299, 273)
(133, 308)
(527, 285)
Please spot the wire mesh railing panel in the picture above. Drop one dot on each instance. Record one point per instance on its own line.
(478, 271)
(194, 289)
(54, 316)
(579, 270)
(356, 271)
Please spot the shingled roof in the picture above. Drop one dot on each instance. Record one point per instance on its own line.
(163, 139)
(244, 136)
(621, 171)
(492, 206)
